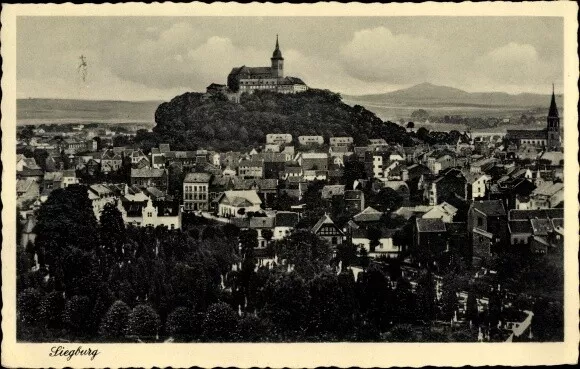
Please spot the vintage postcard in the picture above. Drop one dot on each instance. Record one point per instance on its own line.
(279, 185)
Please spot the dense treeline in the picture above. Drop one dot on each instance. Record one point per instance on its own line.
(195, 120)
(84, 280)
(108, 282)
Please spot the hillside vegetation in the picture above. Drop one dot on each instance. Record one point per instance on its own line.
(195, 120)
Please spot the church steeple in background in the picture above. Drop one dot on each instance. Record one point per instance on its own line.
(553, 128)
(553, 112)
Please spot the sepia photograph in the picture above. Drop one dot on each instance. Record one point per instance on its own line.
(275, 178)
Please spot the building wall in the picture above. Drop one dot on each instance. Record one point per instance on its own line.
(195, 196)
(232, 211)
(282, 232)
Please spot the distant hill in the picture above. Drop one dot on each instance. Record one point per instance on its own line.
(429, 95)
(36, 111)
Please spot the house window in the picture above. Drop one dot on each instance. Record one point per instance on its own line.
(149, 215)
(334, 240)
(479, 222)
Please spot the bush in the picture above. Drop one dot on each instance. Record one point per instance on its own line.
(29, 305)
(143, 321)
(181, 321)
(114, 323)
(51, 309)
(220, 322)
(77, 313)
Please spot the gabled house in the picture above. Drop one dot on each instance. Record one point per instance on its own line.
(547, 195)
(238, 203)
(251, 169)
(27, 190)
(430, 234)
(111, 161)
(284, 224)
(385, 248)
(487, 224)
(354, 201)
(149, 177)
(327, 230)
(368, 217)
(443, 211)
(148, 214)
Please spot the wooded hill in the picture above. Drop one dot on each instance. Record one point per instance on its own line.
(195, 120)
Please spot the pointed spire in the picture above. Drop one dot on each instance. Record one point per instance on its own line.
(277, 53)
(553, 112)
(278, 46)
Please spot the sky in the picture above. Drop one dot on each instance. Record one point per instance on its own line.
(157, 58)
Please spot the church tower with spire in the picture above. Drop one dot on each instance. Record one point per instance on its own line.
(277, 62)
(553, 129)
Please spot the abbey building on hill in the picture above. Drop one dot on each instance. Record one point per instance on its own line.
(249, 79)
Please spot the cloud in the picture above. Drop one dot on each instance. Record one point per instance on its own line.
(179, 58)
(514, 64)
(379, 55)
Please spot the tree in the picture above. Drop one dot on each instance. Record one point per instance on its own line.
(29, 305)
(114, 324)
(374, 236)
(254, 329)
(346, 253)
(51, 309)
(375, 294)
(305, 251)
(267, 235)
(286, 300)
(248, 242)
(548, 320)
(364, 257)
(143, 321)
(353, 170)
(182, 322)
(387, 200)
(220, 322)
(112, 230)
(325, 297)
(402, 333)
(420, 115)
(471, 311)
(406, 302)
(410, 125)
(426, 297)
(77, 314)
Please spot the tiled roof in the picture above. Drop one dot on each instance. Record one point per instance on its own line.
(197, 178)
(526, 134)
(368, 215)
(241, 198)
(147, 173)
(286, 219)
(548, 189)
(332, 190)
(325, 219)
(261, 222)
(430, 225)
(23, 185)
(69, 173)
(541, 227)
(53, 176)
(539, 213)
(490, 207)
(520, 226)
